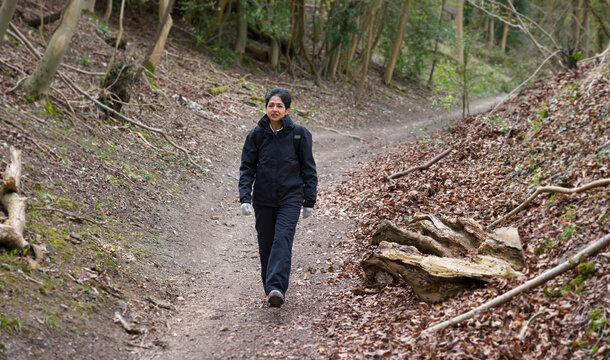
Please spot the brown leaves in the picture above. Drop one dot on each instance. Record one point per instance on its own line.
(551, 137)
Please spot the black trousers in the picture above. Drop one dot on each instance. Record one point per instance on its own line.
(276, 227)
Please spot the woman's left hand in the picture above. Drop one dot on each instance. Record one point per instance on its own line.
(307, 212)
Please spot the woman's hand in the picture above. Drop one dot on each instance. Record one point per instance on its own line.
(246, 209)
(307, 212)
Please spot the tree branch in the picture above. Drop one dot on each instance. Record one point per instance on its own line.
(538, 280)
(552, 189)
(421, 167)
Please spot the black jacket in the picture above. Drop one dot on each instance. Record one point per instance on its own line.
(279, 174)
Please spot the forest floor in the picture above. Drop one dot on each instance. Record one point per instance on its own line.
(134, 229)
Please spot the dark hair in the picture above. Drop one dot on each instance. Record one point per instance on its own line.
(283, 94)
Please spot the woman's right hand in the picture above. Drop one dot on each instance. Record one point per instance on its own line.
(246, 209)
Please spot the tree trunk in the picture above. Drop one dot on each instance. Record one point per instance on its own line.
(396, 48)
(108, 11)
(459, 30)
(217, 21)
(575, 31)
(165, 20)
(491, 32)
(242, 30)
(6, 14)
(367, 51)
(440, 257)
(89, 6)
(440, 19)
(38, 84)
(274, 54)
(505, 32)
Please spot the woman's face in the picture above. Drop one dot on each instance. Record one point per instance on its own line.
(275, 108)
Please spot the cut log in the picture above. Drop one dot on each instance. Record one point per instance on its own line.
(11, 234)
(440, 257)
(12, 175)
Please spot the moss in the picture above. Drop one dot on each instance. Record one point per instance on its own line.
(218, 90)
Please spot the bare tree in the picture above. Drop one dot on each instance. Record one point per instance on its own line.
(241, 37)
(165, 21)
(396, 48)
(39, 82)
(459, 30)
(6, 14)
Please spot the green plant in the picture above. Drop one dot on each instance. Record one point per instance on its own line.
(545, 244)
(8, 324)
(83, 60)
(49, 320)
(567, 232)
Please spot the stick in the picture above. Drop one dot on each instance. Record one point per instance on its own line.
(552, 189)
(538, 280)
(420, 167)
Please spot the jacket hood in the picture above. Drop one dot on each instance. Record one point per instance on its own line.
(286, 120)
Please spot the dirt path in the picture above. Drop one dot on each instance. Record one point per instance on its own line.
(221, 313)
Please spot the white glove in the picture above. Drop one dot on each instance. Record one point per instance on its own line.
(246, 209)
(307, 212)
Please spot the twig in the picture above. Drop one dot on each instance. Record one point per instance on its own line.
(527, 323)
(82, 71)
(538, 280)
(420, 167)
(552, 189)
(81, 219)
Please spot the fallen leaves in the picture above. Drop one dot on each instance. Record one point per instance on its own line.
(491, 171)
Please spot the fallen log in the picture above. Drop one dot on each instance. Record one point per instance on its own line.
(572, 262)
(440, 257)
(11, 232)
(421, 167)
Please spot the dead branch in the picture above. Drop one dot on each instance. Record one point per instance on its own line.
(591, 249)
(421, 167)
(552, 189)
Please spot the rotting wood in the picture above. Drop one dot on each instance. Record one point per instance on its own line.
(421, 167)
(572, 262)
(11, 233)
(12, 175)
(551, 189)
(438, 257)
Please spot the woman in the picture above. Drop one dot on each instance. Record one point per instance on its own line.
(277, 158)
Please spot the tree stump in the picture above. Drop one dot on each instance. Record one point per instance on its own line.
(439, 257)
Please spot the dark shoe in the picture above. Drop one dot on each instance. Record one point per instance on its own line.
(276, 299)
